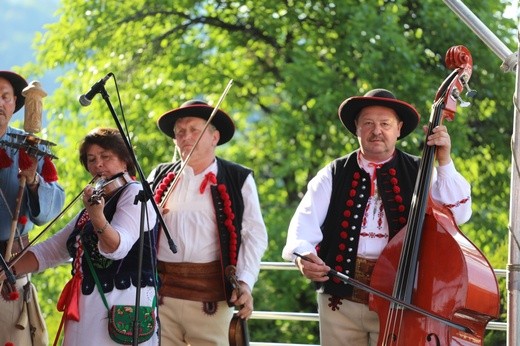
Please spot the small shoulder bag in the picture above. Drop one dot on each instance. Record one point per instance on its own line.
(121, 317)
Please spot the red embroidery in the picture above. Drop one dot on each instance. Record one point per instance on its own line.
(373, 235)
(373, 176)
(380, 216)
(335, 302)
(84, 218)
(457, 204)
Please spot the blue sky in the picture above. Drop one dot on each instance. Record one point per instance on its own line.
(21, 19)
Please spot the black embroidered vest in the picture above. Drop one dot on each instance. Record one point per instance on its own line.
(350, 194)
(228, 201)
(121, 273)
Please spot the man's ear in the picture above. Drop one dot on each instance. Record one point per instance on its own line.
(216, 137)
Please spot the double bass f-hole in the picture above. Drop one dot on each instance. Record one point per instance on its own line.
(105, 188)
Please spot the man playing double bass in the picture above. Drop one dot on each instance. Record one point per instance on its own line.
(42, 199)
(357, 203)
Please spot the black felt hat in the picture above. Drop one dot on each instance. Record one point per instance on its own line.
(350, 108)
(18, 83)
(199, 109)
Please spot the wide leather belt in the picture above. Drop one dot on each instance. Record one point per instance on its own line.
(200, 282)
(364, 269)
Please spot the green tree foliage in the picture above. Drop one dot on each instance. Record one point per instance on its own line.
(292, 63)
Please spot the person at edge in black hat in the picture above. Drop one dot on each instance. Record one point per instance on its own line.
(42, 200)
(214, 216)
(357, 203)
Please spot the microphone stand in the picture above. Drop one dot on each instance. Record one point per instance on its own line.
(143, 196)
(146, 187)
(139, 198)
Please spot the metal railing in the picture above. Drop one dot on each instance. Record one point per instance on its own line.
(304, 316)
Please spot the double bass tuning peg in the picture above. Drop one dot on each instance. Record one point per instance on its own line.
(469, 92)
(456, 95)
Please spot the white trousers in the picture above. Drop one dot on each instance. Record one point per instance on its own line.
(353, 324)
(183, 322)
(18, 318)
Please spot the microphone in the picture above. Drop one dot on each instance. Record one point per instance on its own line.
(86, 99)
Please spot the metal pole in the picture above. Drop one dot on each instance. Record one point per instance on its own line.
(509, 60)
(510, 64)
(513, 268)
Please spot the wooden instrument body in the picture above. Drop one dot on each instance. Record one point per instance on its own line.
(430, 264)
(238, 332)
(454, 280)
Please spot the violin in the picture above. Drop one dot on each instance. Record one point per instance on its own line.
(105, 188)
(430, 264)
(238, 331)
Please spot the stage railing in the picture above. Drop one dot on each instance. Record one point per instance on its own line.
(301, 316)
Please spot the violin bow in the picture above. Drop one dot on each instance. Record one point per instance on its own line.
(19, 255)
(347, 279)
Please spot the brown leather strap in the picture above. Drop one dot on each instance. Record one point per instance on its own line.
(18, 245)
(364, 268)
(200, 282)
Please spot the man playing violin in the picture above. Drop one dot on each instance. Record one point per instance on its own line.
(357, 203)
(211, 207)
(42, 200)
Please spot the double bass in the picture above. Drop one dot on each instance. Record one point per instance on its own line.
(430, 264)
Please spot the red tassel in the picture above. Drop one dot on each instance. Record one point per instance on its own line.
(9, 343)
(14, 295)
(68, 302)
(5, 160)
(49, 172)
(24, 162)
(22, 220)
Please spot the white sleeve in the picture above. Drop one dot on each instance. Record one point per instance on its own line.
(453, 191)
(53, 251)
(304, 231)
(254, 235)
(127, 221)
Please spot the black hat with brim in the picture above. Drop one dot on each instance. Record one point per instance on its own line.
(351, 107)
(18, 83)
(199, 109)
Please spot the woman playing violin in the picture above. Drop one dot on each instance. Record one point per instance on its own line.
(106, 233)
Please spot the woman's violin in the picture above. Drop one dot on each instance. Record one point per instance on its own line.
(106, 187)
